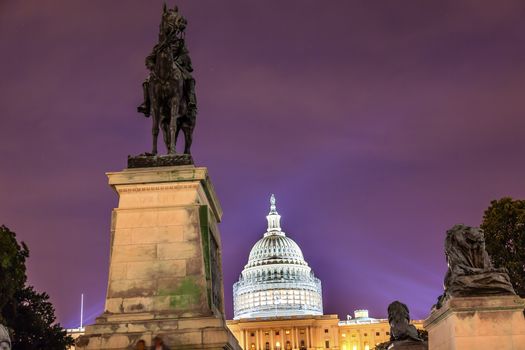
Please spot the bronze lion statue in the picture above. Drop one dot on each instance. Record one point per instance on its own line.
(403, 335)
(470, 270)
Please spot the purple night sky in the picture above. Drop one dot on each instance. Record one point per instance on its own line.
(377, 124)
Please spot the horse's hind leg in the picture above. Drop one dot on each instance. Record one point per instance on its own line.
(188, 139)
(166, 134)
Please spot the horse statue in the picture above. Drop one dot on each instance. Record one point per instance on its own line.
(169, 91)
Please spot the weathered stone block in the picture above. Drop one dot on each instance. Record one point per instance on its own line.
(196, 323)
(194, 266)
(496, 322)
(156, 269)
(181, 250)
(114, 305)
(184, 338)
(116, 341)
(174, 216)
(131, 288)
(137, 304)
(157, 235)
(134, 252)
(191, 232)
(118, 271)
(130, 218)
(122, 236)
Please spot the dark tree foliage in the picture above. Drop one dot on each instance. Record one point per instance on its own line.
(12, 270)
(28, 314)
(504, 227)
(34, 325)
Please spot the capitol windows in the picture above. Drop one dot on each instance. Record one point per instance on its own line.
(267, 346)
(288, 346)
(277, 345)
(327, 344)
(377, 334)
(253, 346)
(287, 332)
(326, 330)
(277, 333)
(252, 334)
(367, 347)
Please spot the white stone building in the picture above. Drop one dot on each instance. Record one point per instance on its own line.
(276, 281)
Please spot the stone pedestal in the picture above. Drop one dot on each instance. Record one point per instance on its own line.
(165, 276)
(408, 345)
(496, 322)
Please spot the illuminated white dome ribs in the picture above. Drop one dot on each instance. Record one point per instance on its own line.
(276, 281)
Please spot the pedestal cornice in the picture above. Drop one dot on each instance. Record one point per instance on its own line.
(175, 175)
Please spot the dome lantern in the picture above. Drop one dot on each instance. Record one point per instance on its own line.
(274, 219)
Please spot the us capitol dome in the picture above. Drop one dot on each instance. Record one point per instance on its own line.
(276, 281)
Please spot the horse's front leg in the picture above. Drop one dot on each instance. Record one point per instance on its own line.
(165, 126)
(173, 126)
(155, 118)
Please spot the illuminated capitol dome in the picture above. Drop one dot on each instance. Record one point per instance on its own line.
(276, 281)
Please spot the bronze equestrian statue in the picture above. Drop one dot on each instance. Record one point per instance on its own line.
(169, 91)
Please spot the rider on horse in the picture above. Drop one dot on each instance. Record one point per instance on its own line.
(182, 61)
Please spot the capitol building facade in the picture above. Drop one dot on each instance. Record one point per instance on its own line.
(278, 302)
(276, 281)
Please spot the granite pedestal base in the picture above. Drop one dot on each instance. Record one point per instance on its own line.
(183, 333)
(165, 275)
(478, 323)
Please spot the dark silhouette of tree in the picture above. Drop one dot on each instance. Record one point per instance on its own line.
(26, 313)
(12, 271)
(504, 227)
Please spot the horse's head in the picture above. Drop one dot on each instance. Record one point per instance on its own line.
(172, 24)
